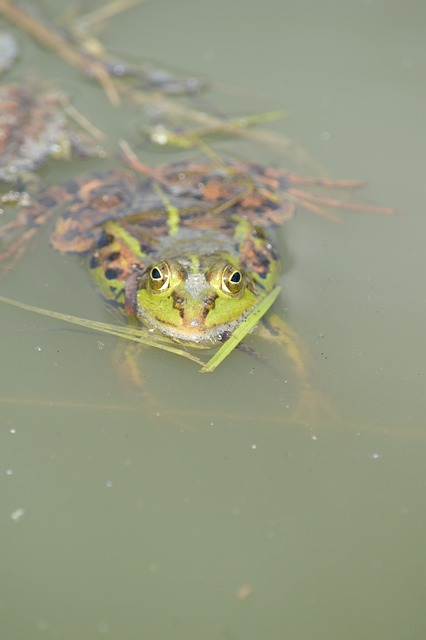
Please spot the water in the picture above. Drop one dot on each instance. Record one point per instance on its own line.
(201, 509)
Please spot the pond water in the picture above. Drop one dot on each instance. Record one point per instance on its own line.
(201, 508)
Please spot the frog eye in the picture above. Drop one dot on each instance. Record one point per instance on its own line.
(159, 277)
(232, 279)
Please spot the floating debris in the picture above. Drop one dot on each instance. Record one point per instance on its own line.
(9, 51)
(33, 128)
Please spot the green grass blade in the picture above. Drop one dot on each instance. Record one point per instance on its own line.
(241, 331)
(136, 334)
(188, 139)
(142, 336)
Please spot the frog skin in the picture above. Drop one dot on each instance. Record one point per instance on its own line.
(193, 273)
(183, 248)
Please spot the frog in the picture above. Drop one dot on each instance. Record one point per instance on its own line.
(190, 268)
(185, 249)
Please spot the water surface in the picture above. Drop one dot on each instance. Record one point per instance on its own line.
(201, 508)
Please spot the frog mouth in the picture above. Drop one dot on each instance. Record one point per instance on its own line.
(192, 331)
(195, 335)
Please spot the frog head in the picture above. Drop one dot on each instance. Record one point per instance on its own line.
(197, 299)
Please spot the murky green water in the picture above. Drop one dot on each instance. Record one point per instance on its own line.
(202, 510)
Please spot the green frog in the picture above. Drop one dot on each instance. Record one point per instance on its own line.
(185, 250)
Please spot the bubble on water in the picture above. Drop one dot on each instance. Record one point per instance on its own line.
(159, 135)
(375, 456)
(9, 472)
(18, 514)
